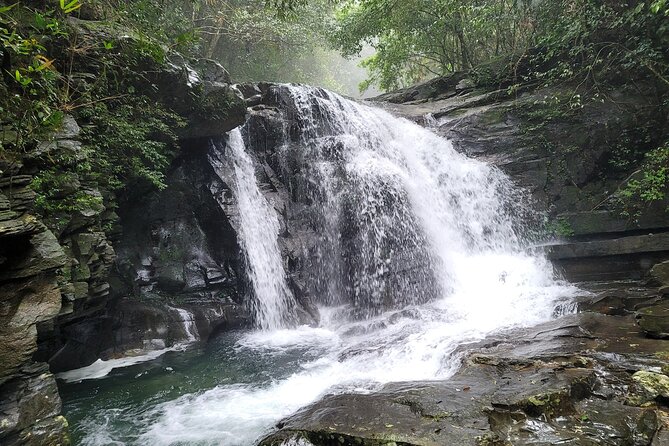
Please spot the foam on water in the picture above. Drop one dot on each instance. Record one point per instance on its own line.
(437, 230)
(101, 368)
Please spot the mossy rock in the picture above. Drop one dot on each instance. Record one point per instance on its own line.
(652, 385)
(654, 320)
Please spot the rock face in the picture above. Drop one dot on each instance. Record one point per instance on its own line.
(89, 283)
(584, 379)
(29, 258)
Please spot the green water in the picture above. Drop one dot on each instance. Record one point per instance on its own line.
(117, 409)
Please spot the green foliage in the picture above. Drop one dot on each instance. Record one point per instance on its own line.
(649, 185)
(70, 6)
(560, 228)
(133, 140)
(129, 140)
(420, 38)
(599, 42)
(170, 23)
(55, 195)
(33, 84)
(543, 42)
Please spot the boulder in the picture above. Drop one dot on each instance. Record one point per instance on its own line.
(653, 385)
(659, 274)
(654, 320)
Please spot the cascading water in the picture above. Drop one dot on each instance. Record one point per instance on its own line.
(420, 251)
(190, 329)
(273, 304)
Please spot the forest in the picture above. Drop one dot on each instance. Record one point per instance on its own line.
(346, 46)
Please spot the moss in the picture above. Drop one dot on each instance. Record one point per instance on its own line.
(560, 227)
(547, 404)
(490, 440)
(495, 115)
(654, 385)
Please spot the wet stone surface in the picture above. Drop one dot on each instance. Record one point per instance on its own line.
(591, 378)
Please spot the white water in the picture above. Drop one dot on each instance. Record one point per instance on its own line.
(413, 201)
(101, 368)
(258, 232)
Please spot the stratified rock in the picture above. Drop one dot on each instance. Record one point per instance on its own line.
(29, 257)
(64, 142)
(25, 303)
(41, 252)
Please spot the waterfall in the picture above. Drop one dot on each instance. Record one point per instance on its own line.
(258, 231)
(190, 329)
(410, 249)
(398, 213)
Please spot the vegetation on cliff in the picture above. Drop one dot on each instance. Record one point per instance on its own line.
(53, 65)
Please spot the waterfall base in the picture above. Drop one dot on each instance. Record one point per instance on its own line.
(566, 381)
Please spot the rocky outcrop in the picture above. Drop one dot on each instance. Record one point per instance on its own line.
(590, 378)
(595, 377)
(198, 90)
(30, 257)
(72, 275)
(132, 326)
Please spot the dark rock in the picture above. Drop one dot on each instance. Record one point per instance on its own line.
(142, 325)
(249, 90)
(601, 248)
(611, 258)
(253, 100)
(602, 221)
(30, 412)
(659, 274)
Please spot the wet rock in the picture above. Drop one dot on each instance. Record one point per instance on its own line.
(30, 412)
(602, 221)
(249, 90)
(573, 380)
(654, 320)
(141, 325)
(469, 409)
